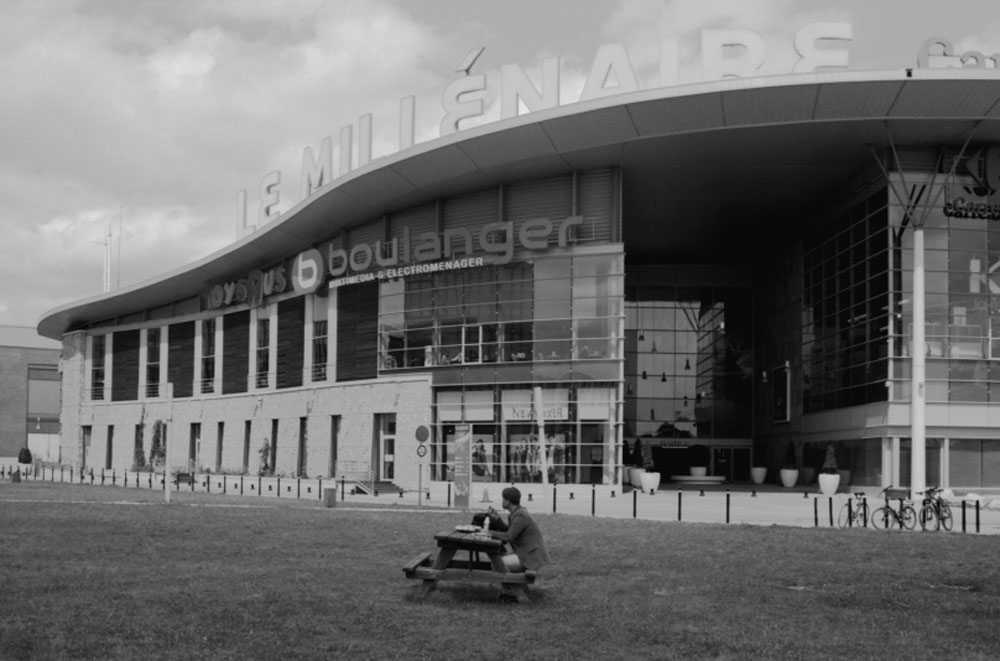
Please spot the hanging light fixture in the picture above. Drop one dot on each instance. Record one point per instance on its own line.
(644, 374)
(663, 379)
(642, 336)
(687, 364)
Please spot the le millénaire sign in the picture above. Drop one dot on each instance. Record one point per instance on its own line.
(725, 53)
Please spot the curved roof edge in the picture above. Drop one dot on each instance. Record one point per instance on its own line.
(577, 136)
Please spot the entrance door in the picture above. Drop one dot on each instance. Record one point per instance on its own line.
(731, 463)
(387, 447)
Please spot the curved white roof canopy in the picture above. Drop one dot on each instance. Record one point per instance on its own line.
(698, 162)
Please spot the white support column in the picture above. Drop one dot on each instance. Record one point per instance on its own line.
(918, 394)
(164, 359)
(894, 477)
(217, 360)
(945, 463)
(198, 353)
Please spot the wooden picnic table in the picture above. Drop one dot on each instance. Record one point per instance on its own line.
(447, 567)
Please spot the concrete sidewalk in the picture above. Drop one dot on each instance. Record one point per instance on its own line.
(737, 504)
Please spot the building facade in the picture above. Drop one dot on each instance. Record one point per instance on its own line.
(729, 265)
(30, 400)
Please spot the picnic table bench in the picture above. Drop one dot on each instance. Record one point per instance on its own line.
(474, 567)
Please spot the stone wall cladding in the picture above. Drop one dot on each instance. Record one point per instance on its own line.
(358, 404)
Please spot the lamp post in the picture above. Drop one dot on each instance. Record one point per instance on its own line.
(918, 352)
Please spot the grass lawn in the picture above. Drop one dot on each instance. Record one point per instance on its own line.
(229, 578)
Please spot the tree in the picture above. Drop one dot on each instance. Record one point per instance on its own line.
(138, 455)
(157, 450)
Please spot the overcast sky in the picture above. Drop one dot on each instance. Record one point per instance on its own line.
(146, 117)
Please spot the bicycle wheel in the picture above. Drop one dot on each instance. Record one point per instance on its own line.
(844, 518)
(928, 520)
(945, 517)
(908, 517)
(882, 518)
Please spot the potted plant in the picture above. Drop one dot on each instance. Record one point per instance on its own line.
(698, 457)
(829, 478)
(789, 467)
(758, 469)
(650, 478)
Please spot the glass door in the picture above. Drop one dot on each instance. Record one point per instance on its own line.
(387, 447)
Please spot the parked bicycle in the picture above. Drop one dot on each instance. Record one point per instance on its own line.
(888, 516)
(854, 513)
(935, 513)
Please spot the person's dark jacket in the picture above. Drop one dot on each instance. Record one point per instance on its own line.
(525, 538)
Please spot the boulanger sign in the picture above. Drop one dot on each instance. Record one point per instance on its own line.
(400, 257)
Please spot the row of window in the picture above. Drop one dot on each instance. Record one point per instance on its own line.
(146, 450)
(556, 309)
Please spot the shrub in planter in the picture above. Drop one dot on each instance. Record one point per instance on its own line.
(829, 476)
(650, 479)
(24, 456)
(789, 467)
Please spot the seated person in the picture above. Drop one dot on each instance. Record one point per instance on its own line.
(522, 534)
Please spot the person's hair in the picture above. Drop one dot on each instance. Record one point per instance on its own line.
(512, 494)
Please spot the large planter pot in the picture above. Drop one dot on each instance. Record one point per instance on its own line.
(634, 476)
(758, 474)
(789, 476)
(650, 481)
(699, 471)
(828, 483)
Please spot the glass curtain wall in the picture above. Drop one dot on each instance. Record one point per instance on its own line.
(845, 314)
(962, 305)
(491, 334)
(688, 356)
